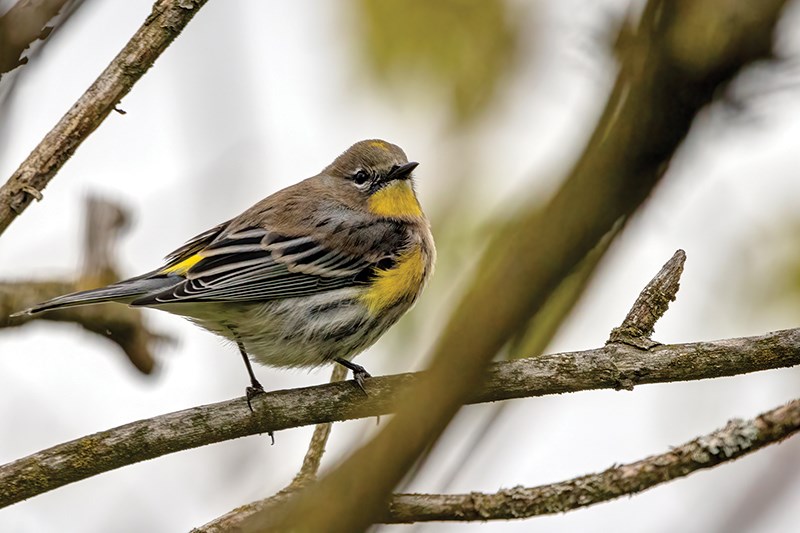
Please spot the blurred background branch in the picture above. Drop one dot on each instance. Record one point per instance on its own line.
(29, 14)
(659, 90)
(104, 222)
(166, 21)
(530, 342)
(25, 22)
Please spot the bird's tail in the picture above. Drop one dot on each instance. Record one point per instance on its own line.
(121, 292)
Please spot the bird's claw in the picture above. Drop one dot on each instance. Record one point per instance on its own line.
(251, 392)
(360, 375)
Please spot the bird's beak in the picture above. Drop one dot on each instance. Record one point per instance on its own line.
(402, 172)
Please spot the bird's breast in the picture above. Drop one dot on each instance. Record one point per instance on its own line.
(401, 283)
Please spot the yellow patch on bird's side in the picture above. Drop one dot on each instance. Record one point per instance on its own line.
(395, 200)
(184, 266)
(402, 281)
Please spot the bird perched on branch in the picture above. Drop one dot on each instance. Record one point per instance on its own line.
(310, 275)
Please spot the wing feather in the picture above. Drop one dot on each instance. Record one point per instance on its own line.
(194, 245)
(257, 265)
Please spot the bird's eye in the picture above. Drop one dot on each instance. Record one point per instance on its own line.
(360, 177)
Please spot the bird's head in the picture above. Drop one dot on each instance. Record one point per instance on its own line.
(375, 176)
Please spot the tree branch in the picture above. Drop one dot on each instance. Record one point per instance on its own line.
(307, 474)
(166, 21)
(121, 325)
(616, 366)
(737, 439)
(651, 305)
(316, 448)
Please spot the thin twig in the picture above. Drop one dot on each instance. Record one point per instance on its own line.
(651, 305)
(161, 27)
(738, 438)
(617, 366)
(316, 448)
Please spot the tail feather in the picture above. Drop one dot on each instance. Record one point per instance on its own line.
(122, 292)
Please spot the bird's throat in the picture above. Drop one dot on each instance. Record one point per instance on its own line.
(396, 200)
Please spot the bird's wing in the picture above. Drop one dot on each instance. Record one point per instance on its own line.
(254, 264)
(193, 246)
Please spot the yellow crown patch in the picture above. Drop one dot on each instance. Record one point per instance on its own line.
(379, 144)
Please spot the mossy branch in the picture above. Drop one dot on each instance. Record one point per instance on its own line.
(736, 439)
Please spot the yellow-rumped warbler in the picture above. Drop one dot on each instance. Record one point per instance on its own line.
(312, 274)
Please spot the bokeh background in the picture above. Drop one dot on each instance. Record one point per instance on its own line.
(496, 100)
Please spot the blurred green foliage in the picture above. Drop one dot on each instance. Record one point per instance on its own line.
(463, 47)
(761, 277)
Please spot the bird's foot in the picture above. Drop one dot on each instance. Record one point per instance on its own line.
(251, 392)
(360, 374)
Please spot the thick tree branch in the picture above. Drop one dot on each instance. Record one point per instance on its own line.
(615, 366)
(738, 438)
(166, 21)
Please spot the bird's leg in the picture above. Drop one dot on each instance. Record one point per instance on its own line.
(255, 387)
(359, 372)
